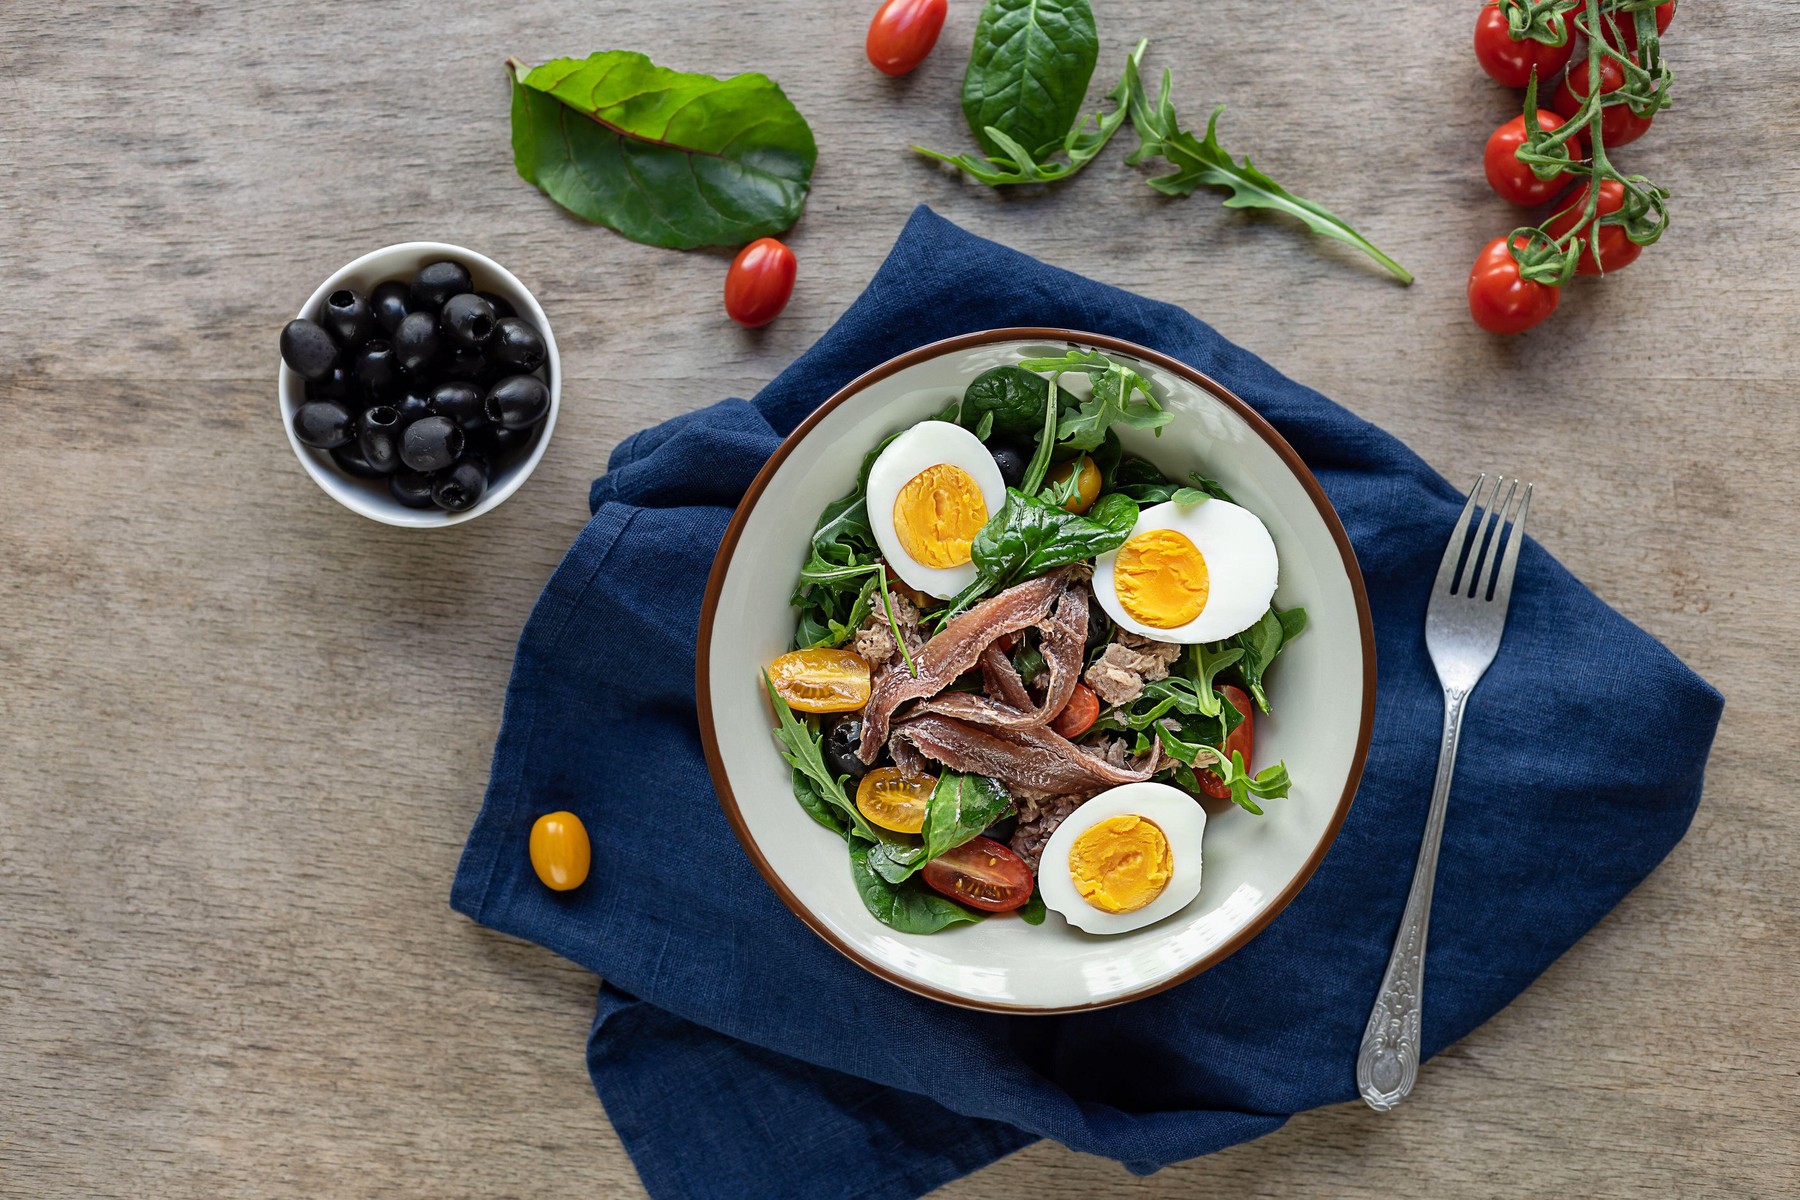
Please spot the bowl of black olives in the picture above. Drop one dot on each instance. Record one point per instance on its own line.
(419, 384)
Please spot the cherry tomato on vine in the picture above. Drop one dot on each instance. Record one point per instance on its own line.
(1616, 251)
(981, 873)
(1501, 301)
(1242, 740)
(1512, 179)
(1627, 26)
(1510, 62)
(903, 33)
(759, 283)
(1619, 126)
(1079, 714)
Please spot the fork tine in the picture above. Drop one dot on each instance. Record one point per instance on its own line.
(1453, 552)
(1477, 541)
(1494, 526)
(1500, 588)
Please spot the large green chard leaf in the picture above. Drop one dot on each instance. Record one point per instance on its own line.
(1028, 73)
(664, 157)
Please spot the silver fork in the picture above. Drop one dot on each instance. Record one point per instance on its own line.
(1463, 625)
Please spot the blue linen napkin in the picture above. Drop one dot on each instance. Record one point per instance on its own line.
(740, 1056)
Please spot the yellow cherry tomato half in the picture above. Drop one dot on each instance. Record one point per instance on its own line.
(1087, 483)
(560, 853)
(892, 801)
(821, 681)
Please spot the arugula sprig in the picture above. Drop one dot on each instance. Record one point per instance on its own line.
(1197, 162)
(1119, 396)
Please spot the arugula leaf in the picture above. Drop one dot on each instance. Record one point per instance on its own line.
(1012, 397)
(960, 807)
(1113, 400)
(908, 908)
(1009, 163)
(805, 753)
(1261, 643)
(1204, 664)
(1046, 443)
(1196, 162)
(1293, 624)
(1028, 71)
(1145, 484)
(664, 157)
(1034, 909)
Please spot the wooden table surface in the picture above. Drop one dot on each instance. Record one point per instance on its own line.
(245, 731)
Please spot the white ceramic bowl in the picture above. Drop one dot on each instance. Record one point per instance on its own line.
(1322, 690)
(371, 497)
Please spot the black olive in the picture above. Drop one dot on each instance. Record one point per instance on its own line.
(1002, 830)
(390, 302)
(308, 349)
(347, 318)
(518, 345)
(437, 282)
(499, 445)
(1099, 631)
(324, 423)
(412, 488)
(1011, 457)
(416, 342)
(336, 385)
(376, 368)
(461, 487)
(467, 320)
(350, 461)
(378, 437)
(518, 401)
(411, 407)
(431, 443)
(843, 737)
(461, 401)
(501, 307)
(471, 365)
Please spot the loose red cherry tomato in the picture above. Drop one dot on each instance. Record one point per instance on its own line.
(1511, 62)
(1242, 740)
(1512, 179)
(1616, 251)
(759, 283)
(903, 33)
(982, 874)
(1618, 124)
(1501, 301)
(560, 853)
(1079, 714)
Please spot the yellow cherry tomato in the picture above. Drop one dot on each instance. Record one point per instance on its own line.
(821, 681)
(1087, 483)
(560, 853)
(892, 801)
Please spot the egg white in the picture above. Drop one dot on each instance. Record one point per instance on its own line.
(1176, 813)
(926, 445)
(1241, 569)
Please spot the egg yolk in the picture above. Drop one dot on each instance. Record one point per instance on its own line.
(937, 514)
(1121, 864)
(1160, 578)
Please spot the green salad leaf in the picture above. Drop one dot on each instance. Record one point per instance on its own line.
(1029, 536)
(1198, 162)
(820, 792)
(907, 907)
(1120, 396)
(960, 807)
(1029, 71)
(668, 158)
(1034, 909)
(1010, 399)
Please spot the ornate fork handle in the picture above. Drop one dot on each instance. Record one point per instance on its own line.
(1388, 1062)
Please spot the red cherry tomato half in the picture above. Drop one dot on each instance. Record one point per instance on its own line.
(1616, 251)
(1510, 62)
(1619, 126)
(1242, 740)
(759, 283)
(1501, 301)
(903, 33)
(982, 874)
(1079, 714)
(1512, 179)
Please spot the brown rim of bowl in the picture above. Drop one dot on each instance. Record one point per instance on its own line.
(722, 561)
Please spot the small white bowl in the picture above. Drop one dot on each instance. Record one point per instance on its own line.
(371, 497)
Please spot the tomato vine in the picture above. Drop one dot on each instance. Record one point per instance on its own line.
(1544, 257)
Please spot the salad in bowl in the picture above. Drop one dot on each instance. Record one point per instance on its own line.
(1025, 659)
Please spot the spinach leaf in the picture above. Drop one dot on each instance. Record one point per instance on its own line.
(1029, 536)
(1010, 163)
(664, 157)
(895, 860)
(1198, 162)
(960, 807)
(1028, 72)
(1293, 624)
(908, 907)
(1145, 484)
(1034, 910)
(1013, 397)
(822, 795)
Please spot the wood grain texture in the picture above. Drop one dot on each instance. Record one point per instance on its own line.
(246, 731)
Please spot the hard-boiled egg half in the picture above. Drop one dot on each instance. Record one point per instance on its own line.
(1189, 573)
(929, 493)
(1126, 859)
